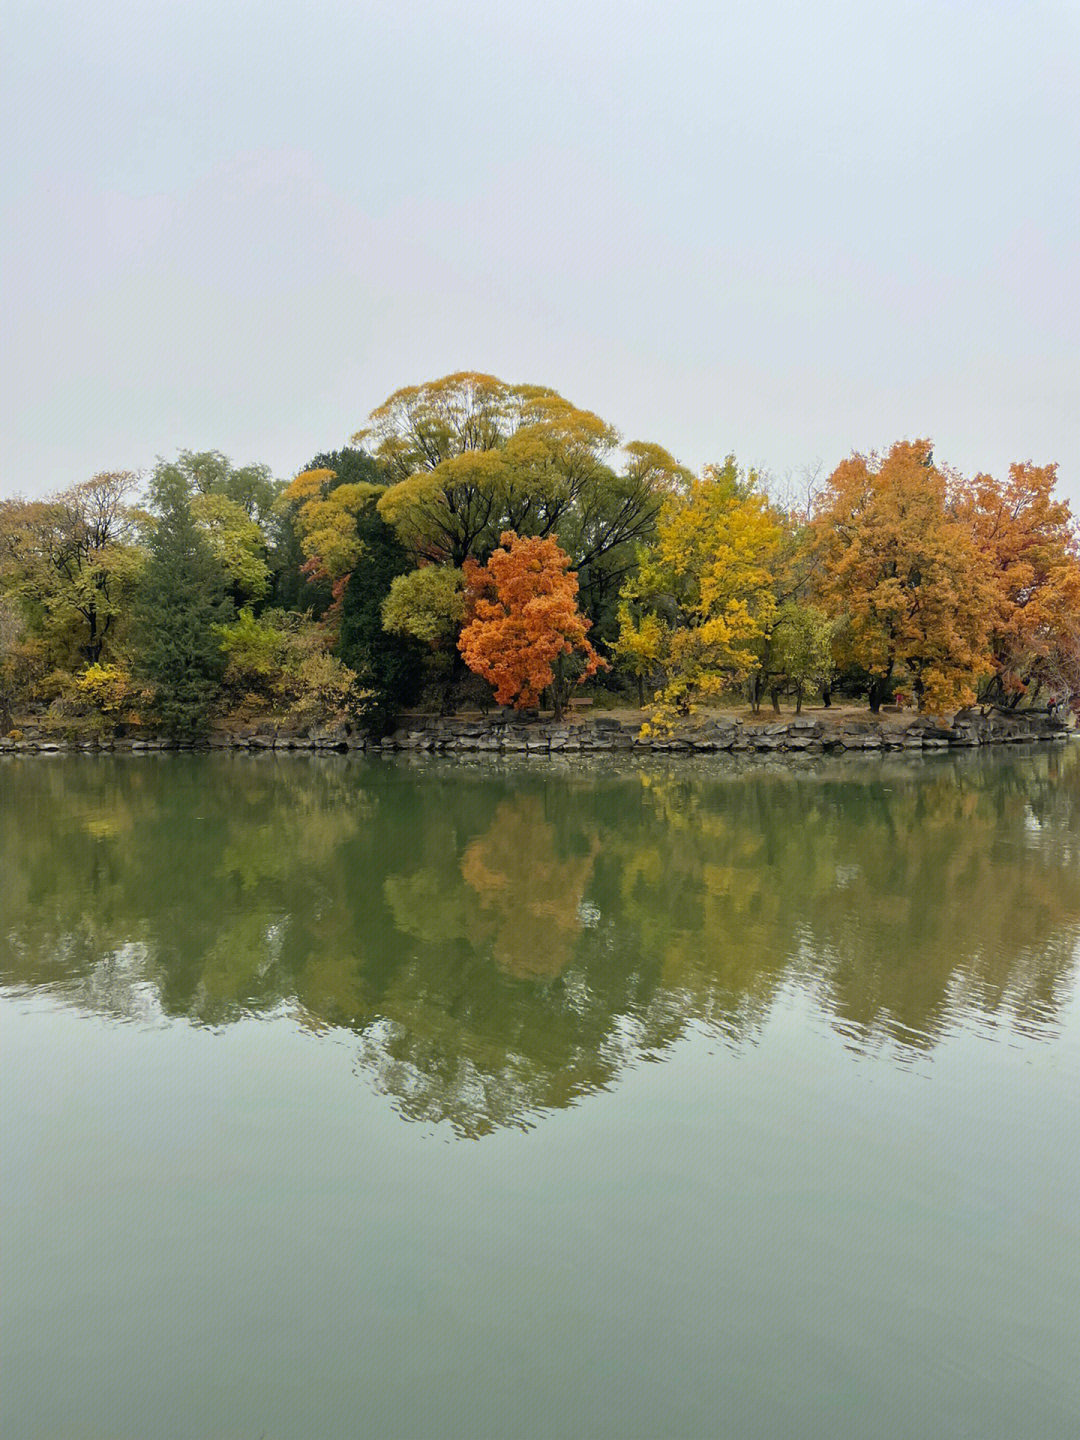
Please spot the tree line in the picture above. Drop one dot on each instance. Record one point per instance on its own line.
(479, 542)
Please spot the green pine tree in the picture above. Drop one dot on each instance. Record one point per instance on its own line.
(390, 667)
(182, 597)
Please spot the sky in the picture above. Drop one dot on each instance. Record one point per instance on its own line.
(789, 231)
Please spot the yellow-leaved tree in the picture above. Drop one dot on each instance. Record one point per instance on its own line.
(325, 515)
(704, 594)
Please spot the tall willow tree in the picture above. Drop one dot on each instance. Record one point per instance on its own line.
(468, 456)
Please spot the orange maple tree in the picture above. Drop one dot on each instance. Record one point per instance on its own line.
(900, 563)
(1031, 540)
(525, 631)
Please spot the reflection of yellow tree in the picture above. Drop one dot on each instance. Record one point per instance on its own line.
(902, 894)
(530, 892)
(501, 951)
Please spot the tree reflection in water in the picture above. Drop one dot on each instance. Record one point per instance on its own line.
(504, 940)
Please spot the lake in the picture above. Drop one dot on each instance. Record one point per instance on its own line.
(359, 1097)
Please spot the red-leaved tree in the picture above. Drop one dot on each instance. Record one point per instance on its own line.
(525, 631)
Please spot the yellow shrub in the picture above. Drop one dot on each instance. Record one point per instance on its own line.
(106, 687)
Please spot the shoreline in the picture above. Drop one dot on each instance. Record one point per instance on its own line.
(501, 734)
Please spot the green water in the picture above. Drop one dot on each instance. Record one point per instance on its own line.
(357, 1098)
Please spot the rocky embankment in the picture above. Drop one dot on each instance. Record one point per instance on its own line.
(709, 736)
(503, 733)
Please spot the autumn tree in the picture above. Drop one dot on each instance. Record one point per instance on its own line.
(73, 560)
(12, 629)
(325, 512)
(525, 632)
(1029, 538)
(704, 595)
(901, 566)
(468, 456)
(315, 540)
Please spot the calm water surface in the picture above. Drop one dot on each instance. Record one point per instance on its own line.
(357, 1098)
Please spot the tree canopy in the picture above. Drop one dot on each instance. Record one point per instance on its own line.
(524, 626)
(483, 540)
(468, 457)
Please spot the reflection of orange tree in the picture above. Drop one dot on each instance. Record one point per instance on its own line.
(444, 922)
(529, 891)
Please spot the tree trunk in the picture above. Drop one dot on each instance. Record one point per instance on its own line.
(641, 692)
(798, 699)
(457, 667)
(775, 697)
(826, 694)
(757, 689)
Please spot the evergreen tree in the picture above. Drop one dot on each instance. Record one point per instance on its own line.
(389, 667)
(182, 597)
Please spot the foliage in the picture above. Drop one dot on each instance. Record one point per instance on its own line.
(107, 688)
(251, 488)
(802, 639)
(324, 513)
(279, 662)
(238, 543)
(73, 562)
(524, 623)
(901, 564)
(896, 574)
(469, 456)
(1030, 541)
(180, 605)
(428, 604)
(322, 689)
(104, 694)
(389, 669)
(12, 630)
(640, 645)
(703, 595)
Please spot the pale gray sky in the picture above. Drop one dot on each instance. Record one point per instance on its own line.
(790, 230)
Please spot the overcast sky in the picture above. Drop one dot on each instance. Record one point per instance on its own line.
(788, 230)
